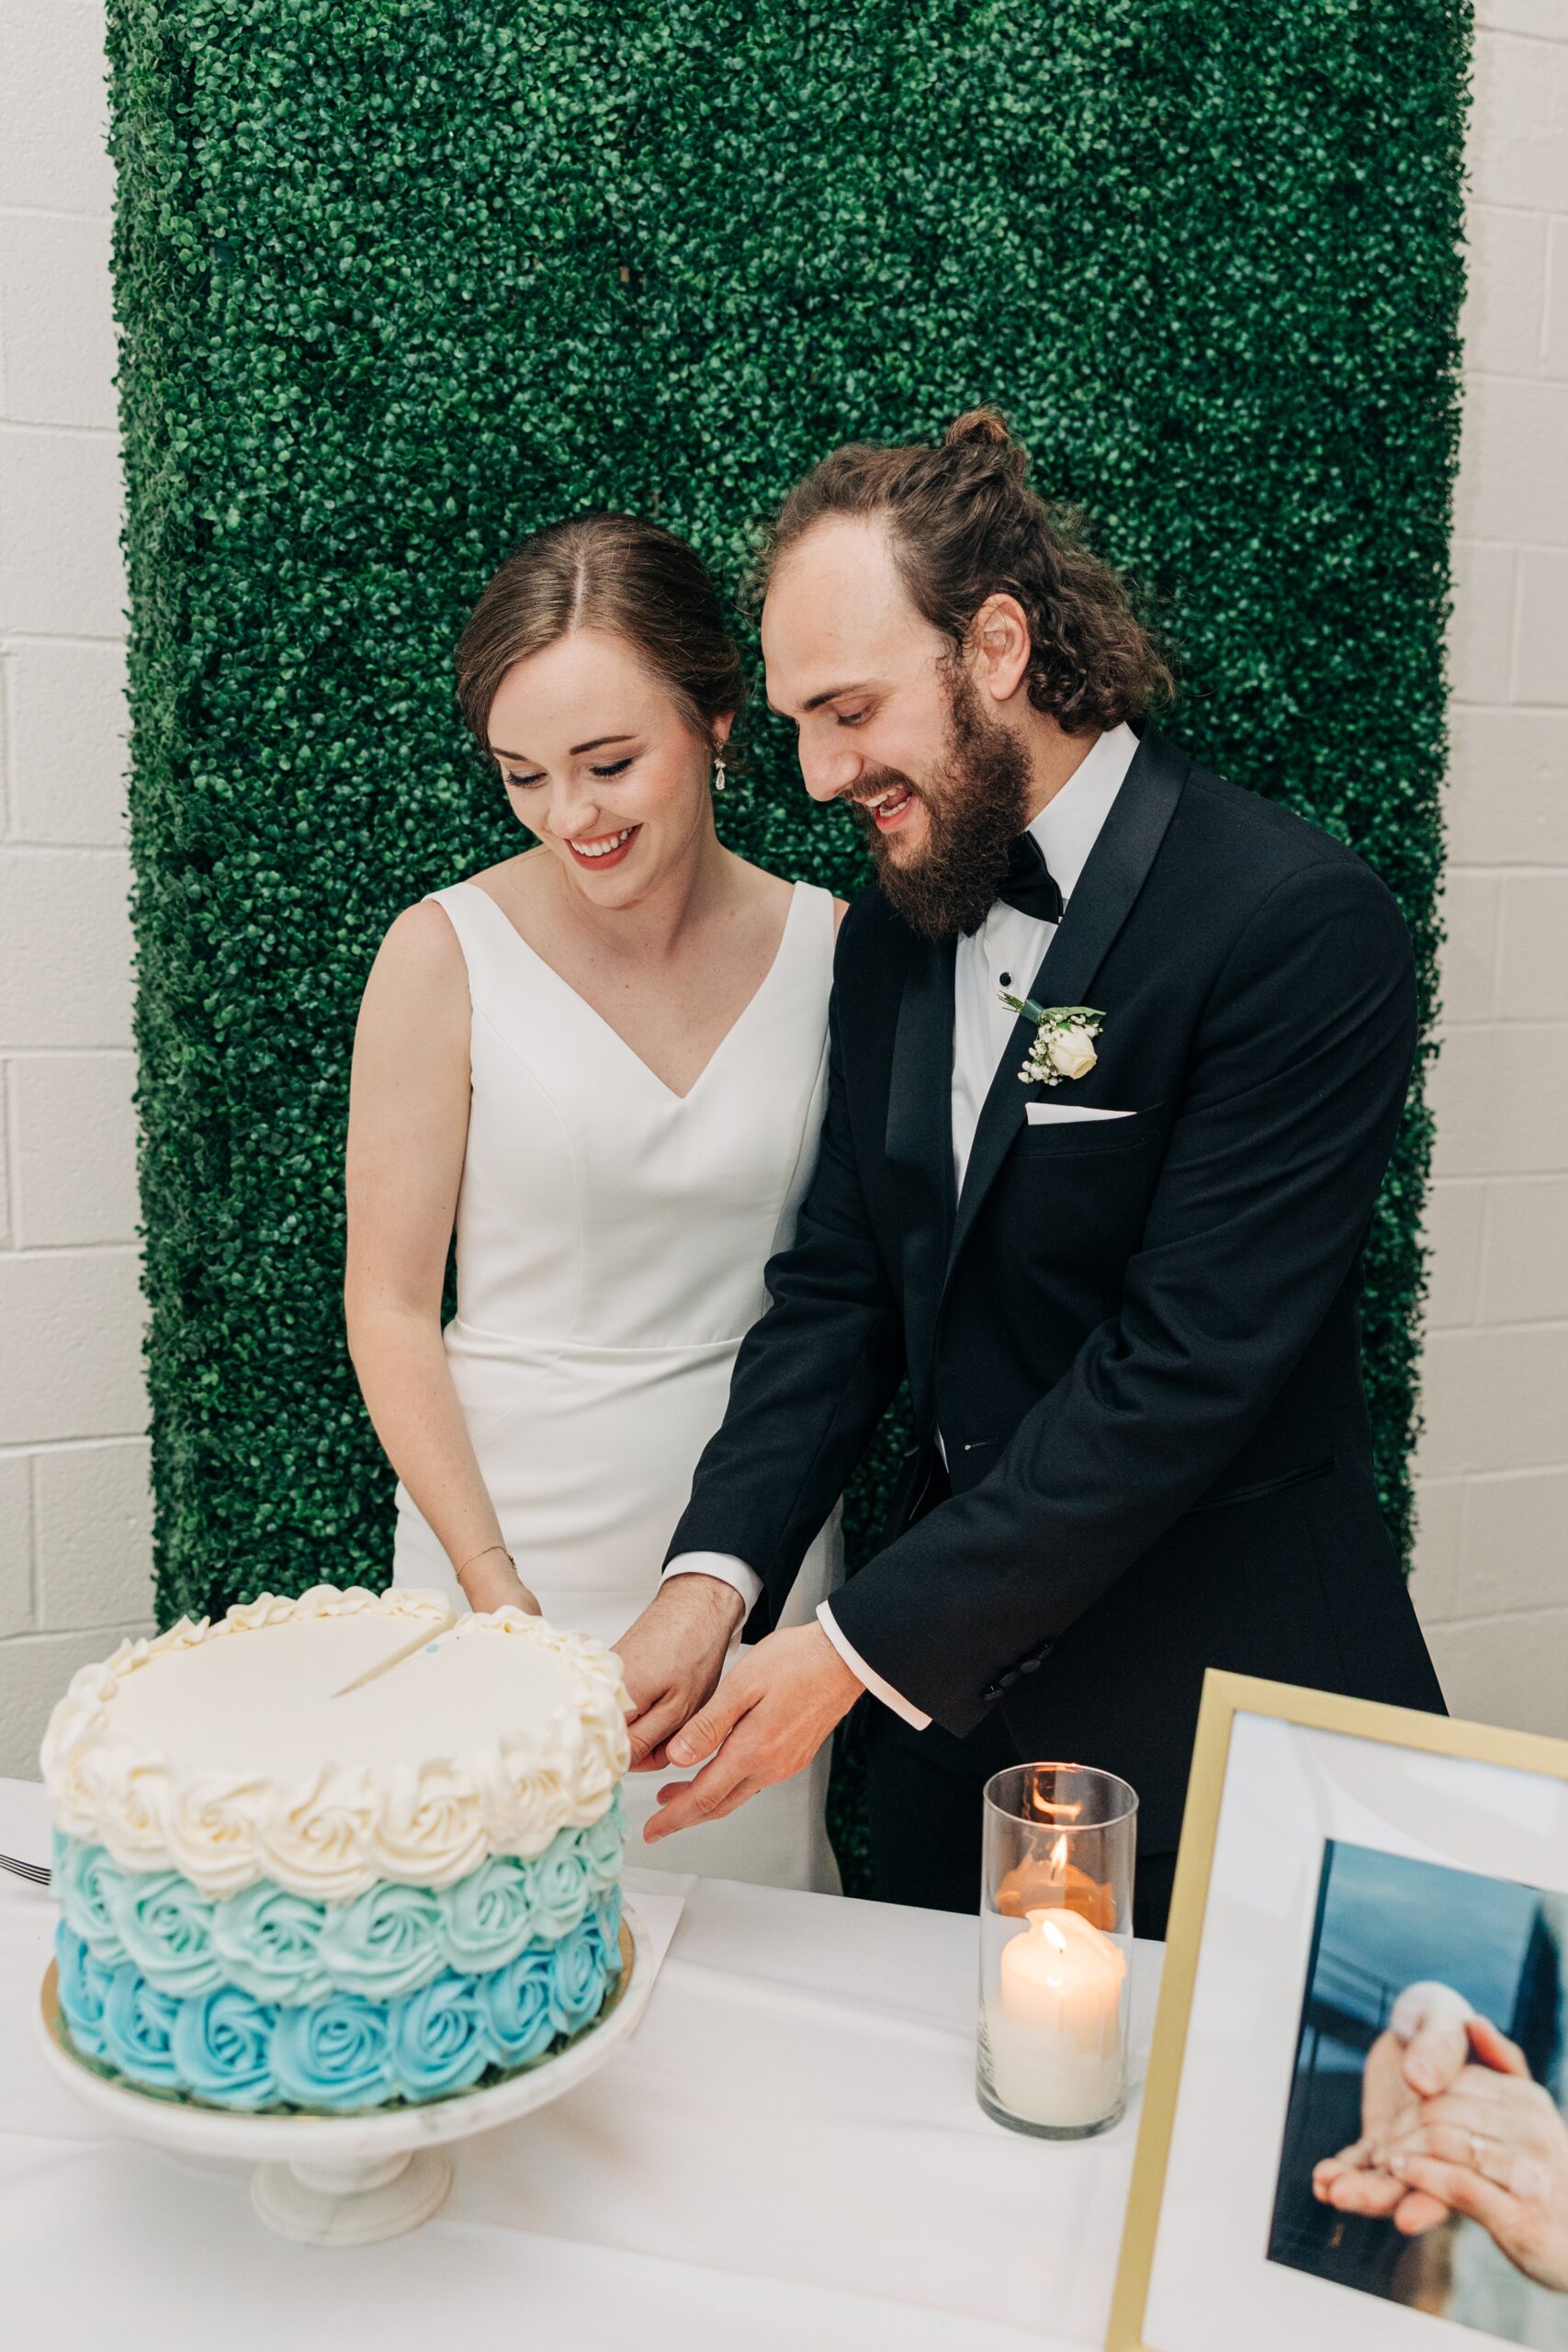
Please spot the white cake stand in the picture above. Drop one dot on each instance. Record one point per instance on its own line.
(350, 2180)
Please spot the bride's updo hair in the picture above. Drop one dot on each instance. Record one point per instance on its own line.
(966, 524)
(614, 572)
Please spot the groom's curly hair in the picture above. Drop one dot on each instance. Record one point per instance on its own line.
(967, 524)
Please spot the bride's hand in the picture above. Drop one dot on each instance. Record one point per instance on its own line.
(671, 1660)
(492, 1582)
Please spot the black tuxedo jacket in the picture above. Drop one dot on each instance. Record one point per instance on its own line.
(1138, 1337)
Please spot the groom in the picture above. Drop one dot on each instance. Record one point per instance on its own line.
(1124, 1294)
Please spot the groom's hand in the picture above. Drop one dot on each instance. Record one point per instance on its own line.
(671, 1659)
(766, 1720)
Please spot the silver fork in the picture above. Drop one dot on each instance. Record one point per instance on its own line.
(34, 1873)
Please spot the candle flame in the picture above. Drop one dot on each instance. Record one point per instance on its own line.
(1059, 1855)
(1052, 1934)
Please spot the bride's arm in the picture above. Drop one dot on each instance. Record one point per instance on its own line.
(408, 1124)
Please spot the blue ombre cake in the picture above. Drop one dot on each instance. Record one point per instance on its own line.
(278, 1892)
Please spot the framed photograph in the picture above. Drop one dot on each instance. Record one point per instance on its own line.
(1355, 2127)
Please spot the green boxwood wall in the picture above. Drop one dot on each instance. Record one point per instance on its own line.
(401, 278)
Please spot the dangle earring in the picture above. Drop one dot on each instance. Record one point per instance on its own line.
(718, 772)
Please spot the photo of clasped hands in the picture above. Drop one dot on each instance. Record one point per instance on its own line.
(1452, 2122)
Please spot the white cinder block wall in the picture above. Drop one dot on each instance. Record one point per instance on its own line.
(1494, 1468)
(1492, 1564)
(74, 1568)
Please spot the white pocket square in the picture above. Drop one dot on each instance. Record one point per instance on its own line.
(1062, 1114)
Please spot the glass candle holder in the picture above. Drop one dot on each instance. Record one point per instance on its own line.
(1056, 1948)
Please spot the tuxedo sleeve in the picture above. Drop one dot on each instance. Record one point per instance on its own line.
(813, 1377)
(1294, 1088)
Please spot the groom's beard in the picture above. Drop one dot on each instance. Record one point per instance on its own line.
(976, 804)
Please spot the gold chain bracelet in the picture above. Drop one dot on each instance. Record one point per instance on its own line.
(484, 1555)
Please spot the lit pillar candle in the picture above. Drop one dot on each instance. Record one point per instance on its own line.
(1055, 2028)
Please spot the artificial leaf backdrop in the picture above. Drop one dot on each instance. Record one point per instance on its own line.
(398, 281)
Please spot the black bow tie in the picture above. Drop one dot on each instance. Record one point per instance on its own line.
(1028, 884)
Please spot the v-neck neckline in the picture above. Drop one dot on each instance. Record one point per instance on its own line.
(609, 1027)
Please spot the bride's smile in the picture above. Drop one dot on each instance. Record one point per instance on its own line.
(605, 848)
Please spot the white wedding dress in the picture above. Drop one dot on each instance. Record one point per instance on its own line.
(611, 1239)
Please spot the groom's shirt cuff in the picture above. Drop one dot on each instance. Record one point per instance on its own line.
(748, 1584)
(725, 1568)
(864, 1673)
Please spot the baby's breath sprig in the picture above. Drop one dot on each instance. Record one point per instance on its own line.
(1064, 1039)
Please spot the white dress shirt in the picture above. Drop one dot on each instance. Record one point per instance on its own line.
(1005, 953)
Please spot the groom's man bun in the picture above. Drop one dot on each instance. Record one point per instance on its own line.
(966, 524)
(984, 424)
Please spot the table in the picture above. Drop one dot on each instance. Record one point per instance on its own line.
(788, 2155)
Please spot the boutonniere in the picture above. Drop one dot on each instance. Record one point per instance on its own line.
(1064, 1039)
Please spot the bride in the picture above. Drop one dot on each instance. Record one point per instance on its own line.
(602, 1062)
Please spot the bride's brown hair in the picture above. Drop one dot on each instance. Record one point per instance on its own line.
(966, 525)
(614, 572)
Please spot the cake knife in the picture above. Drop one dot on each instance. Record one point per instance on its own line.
(385, 1666)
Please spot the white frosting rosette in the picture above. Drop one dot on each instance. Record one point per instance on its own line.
(523, 1804)
(315, 1838)
(429, 1829)
(212, 1825)
(493, 1787)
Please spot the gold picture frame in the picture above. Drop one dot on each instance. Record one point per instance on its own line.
(1226, 1696)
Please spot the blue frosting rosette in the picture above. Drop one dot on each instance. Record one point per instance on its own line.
(164, 1926)
(576, 1992)
(267, 1941)
(490, 1915)
(84, 1985)
(223, 2046)
(137, 2030)
(439, 2038)
(516, 2001)
(603, 1923)
(384, 1943)
(85, 1877)
(335, 2053)
(562, 1888)
(603, 1841)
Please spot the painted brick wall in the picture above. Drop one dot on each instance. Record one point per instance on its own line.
(74, 1514)
(74, 1569)
(1491, 1567)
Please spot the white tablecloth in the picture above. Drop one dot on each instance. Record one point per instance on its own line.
(788, 2157)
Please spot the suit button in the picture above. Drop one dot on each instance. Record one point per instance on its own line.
(1028, 1664)
(1009, 1679)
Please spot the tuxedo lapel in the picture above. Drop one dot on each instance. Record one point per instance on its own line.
(919, 1146)
(1110, 881)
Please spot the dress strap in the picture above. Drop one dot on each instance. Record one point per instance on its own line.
(486, 937)
(817, 926)
(800, 981)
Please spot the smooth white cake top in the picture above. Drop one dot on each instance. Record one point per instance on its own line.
(233, 1752)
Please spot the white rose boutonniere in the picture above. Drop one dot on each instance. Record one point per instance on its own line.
(1064, 1040)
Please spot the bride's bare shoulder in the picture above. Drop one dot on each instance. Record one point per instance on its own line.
(422, 942)
(419, 950)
